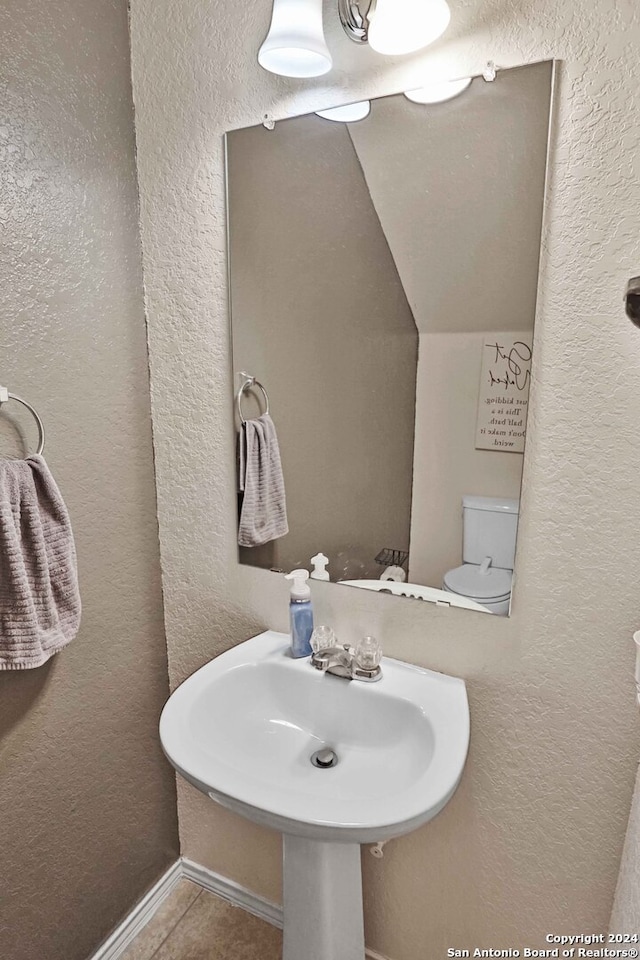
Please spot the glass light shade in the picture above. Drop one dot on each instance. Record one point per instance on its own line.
(402, 26)
(438, 92)
(348, 114)
(295, 45)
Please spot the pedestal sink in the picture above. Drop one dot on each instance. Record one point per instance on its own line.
(244, 728)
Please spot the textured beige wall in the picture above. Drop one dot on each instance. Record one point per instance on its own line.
(447, 464)
(87, 803)
(321, 318)
(531, 842)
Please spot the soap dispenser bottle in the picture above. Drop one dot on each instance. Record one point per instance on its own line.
(319, 565)
(300, 613)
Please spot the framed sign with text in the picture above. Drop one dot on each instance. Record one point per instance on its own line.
(503, 399)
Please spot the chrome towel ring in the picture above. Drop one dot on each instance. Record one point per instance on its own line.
(247, 384)
(5, 396)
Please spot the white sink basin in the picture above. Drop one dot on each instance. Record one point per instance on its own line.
(243, 729)
(419, 592)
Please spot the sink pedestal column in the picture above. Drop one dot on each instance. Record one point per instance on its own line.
(322, 894)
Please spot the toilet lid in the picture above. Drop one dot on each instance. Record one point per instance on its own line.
(469, 582)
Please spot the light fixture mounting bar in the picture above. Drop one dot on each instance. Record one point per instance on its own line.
(354, 22)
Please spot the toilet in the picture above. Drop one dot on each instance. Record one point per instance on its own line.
(488, 553)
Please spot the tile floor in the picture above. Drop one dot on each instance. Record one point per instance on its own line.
(193, 924)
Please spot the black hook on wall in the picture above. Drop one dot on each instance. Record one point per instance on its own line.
(632, 300)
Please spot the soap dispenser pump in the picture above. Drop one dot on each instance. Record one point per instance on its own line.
(300, 613)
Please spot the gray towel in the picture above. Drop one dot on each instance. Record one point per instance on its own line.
(39, 596)
(263, 514)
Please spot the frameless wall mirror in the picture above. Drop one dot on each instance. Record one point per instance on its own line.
(383, 286)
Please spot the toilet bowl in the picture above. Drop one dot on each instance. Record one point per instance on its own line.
(491, 590)
(488, 552)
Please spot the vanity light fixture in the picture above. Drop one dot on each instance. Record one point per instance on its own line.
(439, 91)
(347, 114)
(295, 44)
(394, 27)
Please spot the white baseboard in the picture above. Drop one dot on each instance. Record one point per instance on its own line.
(232, 892)
(135, 921)
(124, 935)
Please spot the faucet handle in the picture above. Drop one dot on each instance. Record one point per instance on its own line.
(368, 653)
(323, 638)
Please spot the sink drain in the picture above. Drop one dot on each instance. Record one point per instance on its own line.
(324, 759)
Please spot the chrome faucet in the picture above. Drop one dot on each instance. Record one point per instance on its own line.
(359, 663)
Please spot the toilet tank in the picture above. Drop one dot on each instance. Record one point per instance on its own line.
(489, 530)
